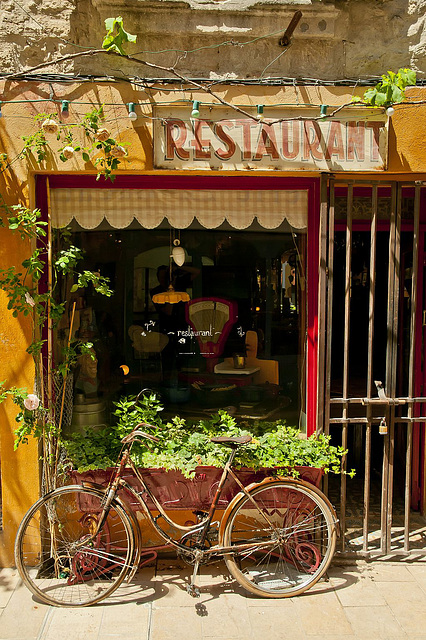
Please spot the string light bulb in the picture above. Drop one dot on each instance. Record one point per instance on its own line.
(390, 111)
(323, 111)
(260, 112)
(195, 113)
(132, 112)
(65, 107)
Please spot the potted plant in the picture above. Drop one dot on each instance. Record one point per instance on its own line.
(185, 466)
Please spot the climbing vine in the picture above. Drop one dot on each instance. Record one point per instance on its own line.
(40, 413)
(97, 146)
(390, 90)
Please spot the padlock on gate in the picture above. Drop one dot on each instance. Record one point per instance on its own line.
(383, 427)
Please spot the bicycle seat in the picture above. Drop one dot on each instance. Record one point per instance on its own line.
(233, 441)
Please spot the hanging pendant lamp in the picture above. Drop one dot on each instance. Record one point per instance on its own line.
(178, 253)
(171, 296)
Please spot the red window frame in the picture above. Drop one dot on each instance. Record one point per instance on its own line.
(247, 182)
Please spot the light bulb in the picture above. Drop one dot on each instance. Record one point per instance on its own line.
(390, 111)
(195, 113)
(178, 254)
(260, 112)
(65, 106)
(132, 114)
(323, 111)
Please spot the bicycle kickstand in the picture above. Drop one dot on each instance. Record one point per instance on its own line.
(191, 588)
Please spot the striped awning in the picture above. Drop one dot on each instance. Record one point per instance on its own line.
(180, 207)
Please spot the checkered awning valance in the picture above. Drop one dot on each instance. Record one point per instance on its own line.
(119, 207)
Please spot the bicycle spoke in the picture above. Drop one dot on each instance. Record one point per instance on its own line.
(301, 539)
(63, 557)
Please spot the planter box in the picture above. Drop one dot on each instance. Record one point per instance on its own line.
(175, 492)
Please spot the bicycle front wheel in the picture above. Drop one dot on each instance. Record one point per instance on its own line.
(284, 536)
(63, 558)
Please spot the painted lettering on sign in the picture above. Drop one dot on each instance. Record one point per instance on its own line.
(355, 144)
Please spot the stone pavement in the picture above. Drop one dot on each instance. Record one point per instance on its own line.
(368, 601)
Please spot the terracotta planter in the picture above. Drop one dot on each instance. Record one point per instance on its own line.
(174, 491)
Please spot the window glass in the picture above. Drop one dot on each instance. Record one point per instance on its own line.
(236, 340)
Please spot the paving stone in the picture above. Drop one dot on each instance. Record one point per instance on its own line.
(311, 609)
(9, 579)
(356, 589)
(23, 617)
(175, 623)
(82, 623)
(279, 623)
(130, 621)
(174, 594)
(136, 591)
(382, 572)
(225, 618)
(418, 571)
(375, 621)
(408, 604)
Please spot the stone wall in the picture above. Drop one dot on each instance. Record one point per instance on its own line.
(335, 38)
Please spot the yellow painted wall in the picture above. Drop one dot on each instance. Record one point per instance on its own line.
(21, 102)
(19, 470)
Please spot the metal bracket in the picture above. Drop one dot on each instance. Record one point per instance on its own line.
(285, 40)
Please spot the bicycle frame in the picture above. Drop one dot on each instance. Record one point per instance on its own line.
(203, 527)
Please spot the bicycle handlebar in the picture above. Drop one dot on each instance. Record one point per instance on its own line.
(137, 433)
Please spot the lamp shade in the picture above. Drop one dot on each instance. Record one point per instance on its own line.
(170, 296)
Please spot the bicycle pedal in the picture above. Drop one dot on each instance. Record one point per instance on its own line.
(193, 590)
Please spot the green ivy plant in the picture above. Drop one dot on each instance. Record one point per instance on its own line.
(390, 90)
(38, 416)
(184, 445)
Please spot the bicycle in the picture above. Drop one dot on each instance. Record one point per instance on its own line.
(77, 544)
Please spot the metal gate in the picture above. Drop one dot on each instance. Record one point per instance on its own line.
(370, 353)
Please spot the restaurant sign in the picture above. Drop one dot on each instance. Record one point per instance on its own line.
(356, 141)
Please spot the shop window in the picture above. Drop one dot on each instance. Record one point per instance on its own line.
(238, 343)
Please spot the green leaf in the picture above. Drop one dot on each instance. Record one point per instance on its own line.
(397, 95)
(407, 76)
(74, 288)
(116, 35)
(85, 157)
(380, 99)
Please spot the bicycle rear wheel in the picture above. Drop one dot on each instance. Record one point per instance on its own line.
(291, 531)
(58, 556)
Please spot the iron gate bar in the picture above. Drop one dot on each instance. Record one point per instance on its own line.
(329, 273)
(371, 306)
(378, 419)
(391, 363)
(411, 367)
(347, 315)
